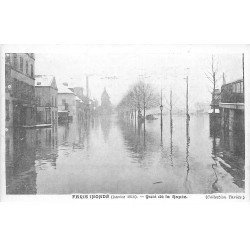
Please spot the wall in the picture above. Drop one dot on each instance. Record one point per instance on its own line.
(9, 121)
(19, 89)
(46, 97)
(26, 73)
(70, 99)
(232, 119)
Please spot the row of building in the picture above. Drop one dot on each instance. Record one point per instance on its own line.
(32, 100)
(228, 106)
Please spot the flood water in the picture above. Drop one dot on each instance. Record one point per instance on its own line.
(108, 155)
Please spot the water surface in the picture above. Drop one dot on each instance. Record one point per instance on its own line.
(108, 155)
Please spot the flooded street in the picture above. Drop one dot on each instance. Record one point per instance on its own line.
(109, 155)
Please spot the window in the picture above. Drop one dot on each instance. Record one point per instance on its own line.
(39, 116)
(7, 58)
(15, 60)
(7, 110)
(234, 88)
(27, 68)
(63, 101)
(8, 147)
(38, 101)
(21, 64)
(238, 87)
(241, 88)
(31, 70)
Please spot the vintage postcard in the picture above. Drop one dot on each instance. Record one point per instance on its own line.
(124, 122)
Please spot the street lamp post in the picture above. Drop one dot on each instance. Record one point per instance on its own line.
(187, 98)
(187, 108)
(161, 108)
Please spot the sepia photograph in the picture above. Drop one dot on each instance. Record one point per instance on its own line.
(124, 125)
(124, 120)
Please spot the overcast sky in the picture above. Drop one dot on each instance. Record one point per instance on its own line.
(117, 69)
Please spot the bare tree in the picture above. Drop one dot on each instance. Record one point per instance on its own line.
(213, 77)
(148, 98)
(131, 102)
(128, 104)
(140, 96)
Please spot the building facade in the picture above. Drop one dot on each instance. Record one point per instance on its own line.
(81, 102)
(232, 106)
(46, 99)
(20, 105)
(66, 103)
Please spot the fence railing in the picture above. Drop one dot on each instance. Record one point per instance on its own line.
(229, 95)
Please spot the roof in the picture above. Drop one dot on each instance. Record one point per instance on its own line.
(45, 81)
(64, 90)
(105, 93)
(78, 99)
(233, 82)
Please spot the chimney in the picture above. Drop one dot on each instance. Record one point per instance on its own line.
(87, 86)
(224, 79)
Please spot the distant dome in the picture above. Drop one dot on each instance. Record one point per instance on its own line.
(105, 98)
(105, 95)
(105, 102)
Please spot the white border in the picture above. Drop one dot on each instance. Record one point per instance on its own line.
(122, 49)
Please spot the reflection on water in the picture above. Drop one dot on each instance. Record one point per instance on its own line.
(26, 152)
(106, 154)
(230, 150)
(187, 184)
(171, 140)
(20, 162)
(106, 126)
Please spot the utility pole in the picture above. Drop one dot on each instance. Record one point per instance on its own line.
(243, 75)
(171, 129)
(171, 121)
(187, 111)
(224, 79)
(187, 135)
(214, 83)
(171, 106)
(144, 112)
(161, 108)
(87, 86)
(87, 94)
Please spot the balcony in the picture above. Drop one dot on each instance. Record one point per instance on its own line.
(232, 92)
(233, 98)
(31, 55)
